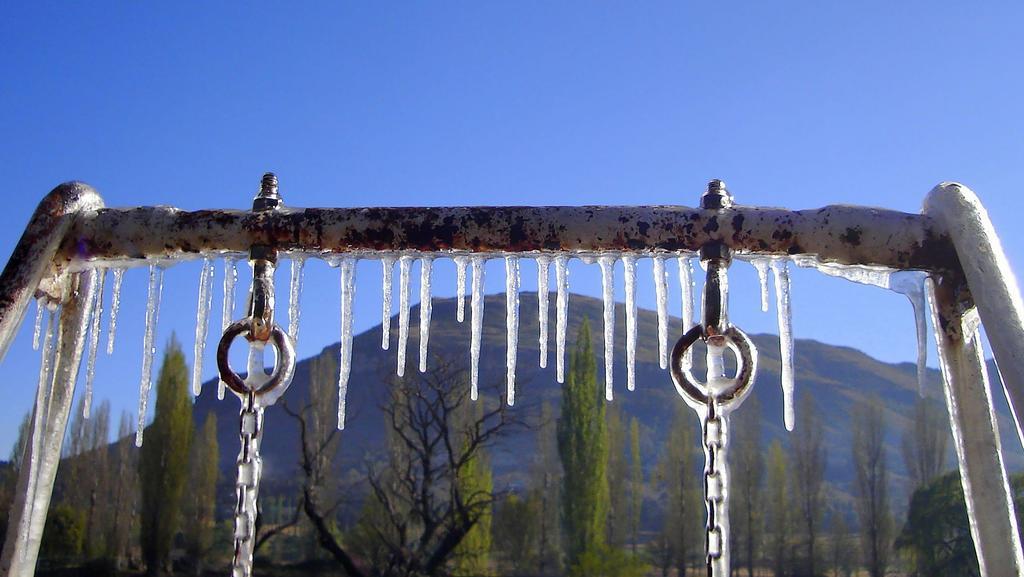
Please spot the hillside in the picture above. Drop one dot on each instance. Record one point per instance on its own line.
(836, 377)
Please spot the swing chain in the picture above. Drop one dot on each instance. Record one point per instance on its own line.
(250, 469)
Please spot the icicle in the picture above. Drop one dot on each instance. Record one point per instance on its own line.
(46, 365)
(661, 293)
(561, 314)
(156, 286)
(686, 286)
(404, 265)
(607, 264)
(511, 325)
(115, 306)
(94, 339)
(294, 294)
(460, 286)
(761, 265)
(202, 323)
(543, 264)
(39, 324)
(348, 291)
(912, 285)
(387, 265)
(629, 278)
(477, 309)
(426, 306)
(228, 310)
(780, 273)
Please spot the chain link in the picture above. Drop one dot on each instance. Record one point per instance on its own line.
(250, 468)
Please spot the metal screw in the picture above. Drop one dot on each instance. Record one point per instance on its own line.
(267, 198)
(716, 196)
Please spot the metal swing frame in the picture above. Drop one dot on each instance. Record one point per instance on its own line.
(953, 240)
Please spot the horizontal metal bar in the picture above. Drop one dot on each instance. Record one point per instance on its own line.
(841, 234)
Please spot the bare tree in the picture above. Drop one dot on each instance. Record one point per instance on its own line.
(872, 481)
(809, 475)
(779, 509)
(417, 511)
(925, 442)
(547, 484)
(746, 481)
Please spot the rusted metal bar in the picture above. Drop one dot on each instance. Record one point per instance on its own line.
(33, 257)
(840, 234)
(46, 437)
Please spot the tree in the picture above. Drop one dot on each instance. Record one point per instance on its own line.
(517, 525)
(809, 476)
(476, 483)
(617, 472)
(163, 465)
(64, 533)
(636, 483)
(200, 503)
(925, 442)
(682, 487)
(417, 512)
(583, 448)
(546, 485)
(842, 548)
(125, 492)
(777, 517)
(871, 482)
(86, 476)
(747, 476)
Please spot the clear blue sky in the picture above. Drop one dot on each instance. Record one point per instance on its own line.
(794, 104)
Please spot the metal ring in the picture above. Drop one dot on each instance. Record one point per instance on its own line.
(284, 368)
(690, 389)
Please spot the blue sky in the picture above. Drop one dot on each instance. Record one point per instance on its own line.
(794, 104)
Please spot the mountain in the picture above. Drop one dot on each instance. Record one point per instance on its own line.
(836, 378)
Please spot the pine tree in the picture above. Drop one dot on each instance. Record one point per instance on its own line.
(618, 476)
(163, 465)
(583, 448)
(636, 483)
(201, 500)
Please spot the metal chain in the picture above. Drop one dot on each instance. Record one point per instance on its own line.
(716, 485)
(250, 468)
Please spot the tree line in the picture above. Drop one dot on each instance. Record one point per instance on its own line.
(427, 505)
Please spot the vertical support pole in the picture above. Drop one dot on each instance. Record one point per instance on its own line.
(976, 437)
(49, 422)
(994, 288)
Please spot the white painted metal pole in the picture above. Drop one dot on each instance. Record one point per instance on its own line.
(956, 209)
(976, 437)
(49, 422)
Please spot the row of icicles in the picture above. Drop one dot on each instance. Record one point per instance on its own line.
(908, 283)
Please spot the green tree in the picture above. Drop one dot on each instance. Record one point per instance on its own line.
(163, 464)
(636, 483)
(777, 511)
(583, 448)
(473, 554)
(201, 500)
(618, 476)
(516, 531)
(64, 533)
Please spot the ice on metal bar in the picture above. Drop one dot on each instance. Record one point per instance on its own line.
(294, 296)
(404, 266)
(461, 262)
(477, 323)
(629, 278)
(607, 264)
(780, 274)
(45, 366)
(202, 323)
(153, 293)
(387, 265)
(96, 314)
(561, 313)
(685, 264)
(761, 266)
(511, 325)
(661, 294)
(543, 266)
(912, 285)
(426, 305)
(39, 324)
(115, 306)
(228, 308)
(348, 291)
